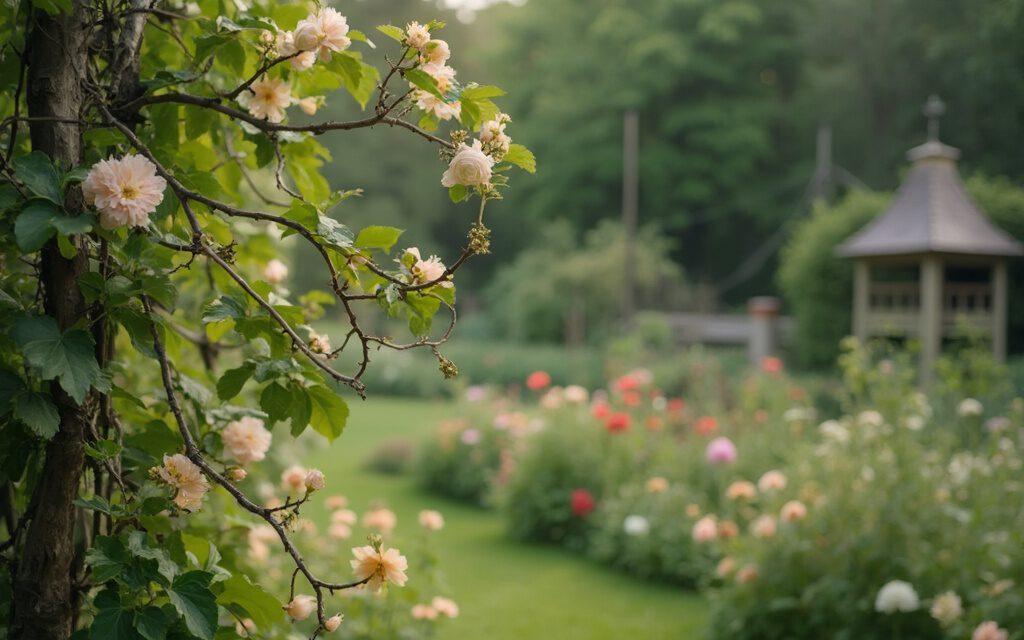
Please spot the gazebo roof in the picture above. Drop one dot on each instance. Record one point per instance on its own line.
(932, 212)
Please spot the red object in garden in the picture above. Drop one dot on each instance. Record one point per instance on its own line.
(618, 422)
(601, 410)
(676, 405)
(582, 502)
(771, 364)
(627, 383)
(632, 399)
(538, 380)
(706, 425)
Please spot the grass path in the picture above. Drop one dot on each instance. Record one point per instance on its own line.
(505, 589)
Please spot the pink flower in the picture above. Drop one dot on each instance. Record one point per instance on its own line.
(793, 510)
(309, 106)
(424, 612)
(445, 606)
(267, 99)
(332, 623)
(442, 110)
(416, 35)
(323, 33)
(383, 520)
(989, 630)
(747, 574)
(275, 272)
(470, 437)
(428, 270)
(246, 440)
(771, 364)
(741, 490)
(431, 520)
(469, 167)
(538, 380)
(618, 422)
(705, 529)
(436, 52)
(581, 502)
(301, 607)
(763, 527)
(124, 190)
(773, 480)
(657, 484)
(294, 479)
(190, 483)
(315, 480)
(379, 566)
(336, 502)
(720, 451)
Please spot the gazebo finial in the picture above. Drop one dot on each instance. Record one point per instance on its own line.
(934, 108)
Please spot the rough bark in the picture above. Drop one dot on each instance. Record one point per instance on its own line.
(44, 602)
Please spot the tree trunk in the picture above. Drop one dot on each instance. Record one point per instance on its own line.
(44, 604)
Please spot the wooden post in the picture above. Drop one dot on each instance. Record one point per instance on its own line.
(763, 339)
(630, 213)
(931, 316)
(999, 306)
(861, 298)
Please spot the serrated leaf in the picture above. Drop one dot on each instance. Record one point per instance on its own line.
(329, 412)
(38, 412)
(375, 237)
(480, 92)
(151, 623)
(191, 596)
(393, 32)
(38, 174)
(112, 621)
(424, 81)
(33, 226)
(299, 410)
(223, 308)
(334, 233)
(231, 383)
(68, 356)
(521, 157)
(107, 558)
(264, 609)
(10, 385)
(276, 402)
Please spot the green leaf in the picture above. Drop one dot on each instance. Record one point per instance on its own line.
(104, 137)
(112, 621)
(38, 412)
(207, 45)
(303, 213)
(223, 308)
(521, 157)
(151, 623)
(300, 409)
(38, 173)
(458, 193)
(191, 596)
(329, 412)
(378, 238)
(71, 225)
(395, 33)
(10, 384)
(231, 383)
(478, 92)
(422, 309)
(275, 402)
(9, 196)
(334, 233)
(424, 81)
(53, 7)
(67, 356)
(32, 228)
(107, 558)
(263, 608)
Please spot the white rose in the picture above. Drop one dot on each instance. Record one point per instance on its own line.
(470, 167)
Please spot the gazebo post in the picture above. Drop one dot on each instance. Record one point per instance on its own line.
(861, 292)
(931, 316)
(999, 309)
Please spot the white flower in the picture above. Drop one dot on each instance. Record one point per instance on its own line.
(428, 270)
(301, 607)
(275, 272)
(315, 480)
(896, 595)
(834, 431)
(969, 407)
(267, 99)
(636, 526)
(416, 35)
(946, 608)
(319, 343)
(576, 394)
(323, 33)
(246, 440)
(870, 418)
(470, 167)
(914, 423)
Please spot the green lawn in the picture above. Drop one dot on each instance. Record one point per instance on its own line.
(505, 589)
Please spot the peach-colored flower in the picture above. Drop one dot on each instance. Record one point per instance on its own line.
(294, 479)
(182, 474)
(309, 105)
(344, 516)
(246, 440)
(747, 574)
(763, 527)
(383, 520)
(424, 612)
(339, 531)
(793, 510)
(332, 623)
(442, 110)
(336, 502)
(705, 529)
(725, 567)
(428, 270)
(285, 45)
(267, 99)
(728, 530)
(657, 484)
(259, 538)
(741, 490)
(576, 394)
(469, 167)
(315, 480)
(323, 33)
(237, 474)
(416, 35)
(692, 510)
(773, 480)
(275, 272)
(301, 607)
(436, 52)
(445, 606)
(989, 630)
(431, 520)
(124, 190)
(379, 567)
(245, 627)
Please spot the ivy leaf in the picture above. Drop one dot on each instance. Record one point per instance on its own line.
(263, 608)
(151, 623)
(378, 238)
(191, 596)
(32, 228)
(107, 558)
(112, 621)
(521, 157)
(231, 383)
(39, 174)
(393, 32)
(329, 412)
(10, 384)
(68, 356)
(424, 81)
(38, 412)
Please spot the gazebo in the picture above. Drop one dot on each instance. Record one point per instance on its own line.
(932, 263)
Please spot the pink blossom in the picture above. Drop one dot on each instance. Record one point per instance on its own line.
(721, 450)
(124, 190)
(323, 33)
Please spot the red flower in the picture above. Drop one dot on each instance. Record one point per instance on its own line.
(601, 410)
(676, 405)
(538, 380)
(771, 364)
(582, 502)
(618, 422)
(627, 383)
(632, 399)
(706, 425)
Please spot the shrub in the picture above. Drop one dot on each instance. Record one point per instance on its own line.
(463, 460)
(393, 457)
